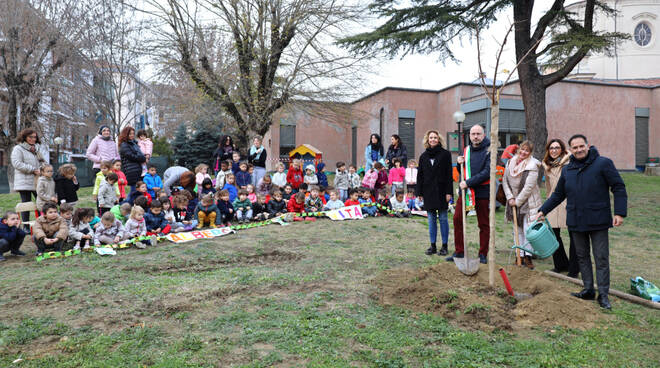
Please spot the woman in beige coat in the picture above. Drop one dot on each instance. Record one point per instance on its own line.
(556, 157)
(522, 191)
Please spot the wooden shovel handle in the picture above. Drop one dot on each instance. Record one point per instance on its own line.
(515, 231)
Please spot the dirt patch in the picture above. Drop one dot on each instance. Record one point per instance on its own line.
(469, 302)
(209, 264)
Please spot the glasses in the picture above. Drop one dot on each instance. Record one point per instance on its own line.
(32, 136)
(555, 148)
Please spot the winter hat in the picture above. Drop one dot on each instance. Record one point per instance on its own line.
(310, 167)
(103, 127)
(320, 166)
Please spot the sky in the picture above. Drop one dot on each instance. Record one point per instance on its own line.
(427, 72)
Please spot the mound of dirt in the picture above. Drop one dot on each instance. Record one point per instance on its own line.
(469, 302)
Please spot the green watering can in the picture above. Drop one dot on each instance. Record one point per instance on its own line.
(542, 239)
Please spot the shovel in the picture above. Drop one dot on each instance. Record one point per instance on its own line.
(515, 240)
(466, 265)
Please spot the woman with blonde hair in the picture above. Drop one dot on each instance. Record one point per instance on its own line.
(521, 187)
(435, 186)
(556, 157)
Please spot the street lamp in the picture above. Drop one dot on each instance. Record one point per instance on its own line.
(459, 117)
(58, 142)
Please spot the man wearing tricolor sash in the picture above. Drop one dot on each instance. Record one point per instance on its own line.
(476, 180)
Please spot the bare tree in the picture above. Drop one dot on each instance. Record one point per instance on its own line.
(37, 37)
(279, 50)
(113, 50)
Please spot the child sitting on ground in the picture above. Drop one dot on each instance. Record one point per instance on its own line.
(153, 181)
(140, 190)
(399, 205)
(334, 202)
(279, 178)
(353, 197)
(109, 231)
(207, 212)
(155, 220)
(143, 202)
(288, 192)
(146, 146)
(276, 206)
(313, 203)
(66, 184)
(295, 175)
(251, 195)
(310, 175)
(193, 200)
(121, 211)
(220, 178)
(243, 207)
(11, 235)
(50, 229)
(136, 226)
(297, 203)
(353, 177)
(183, 217)
(384, 202)
(366, 198)
(168, 212)
(66, 211)
(265, 185)
(225, 208)
(45, 186)
(259, 208)
(206, 188)
(230, 187)
(79, 230)
(243, 177)
(201, 173)
(107, 195)
(341, 181)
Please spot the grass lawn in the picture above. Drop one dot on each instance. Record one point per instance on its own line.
(301, 295)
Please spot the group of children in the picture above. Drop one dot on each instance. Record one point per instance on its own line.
(233, 196)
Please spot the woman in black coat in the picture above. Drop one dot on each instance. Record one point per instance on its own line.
(132, 157)
(435, 187)
(397, 149)
(226, 148)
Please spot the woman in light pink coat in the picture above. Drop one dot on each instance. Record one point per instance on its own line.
(102, 148)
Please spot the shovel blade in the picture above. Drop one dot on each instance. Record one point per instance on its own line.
(467, 266)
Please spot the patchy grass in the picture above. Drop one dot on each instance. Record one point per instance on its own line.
(300, 296)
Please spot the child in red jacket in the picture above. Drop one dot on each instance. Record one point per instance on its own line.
(295, 175)
(353, 195)
(381, 181)
(296, 204)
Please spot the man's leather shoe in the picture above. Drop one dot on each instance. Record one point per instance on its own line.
(585, 294)
(604, 301)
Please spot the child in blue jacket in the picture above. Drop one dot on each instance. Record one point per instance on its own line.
(153, 181)
(155, 219)
(11, 236)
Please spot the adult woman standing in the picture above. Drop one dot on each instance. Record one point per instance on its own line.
(257, 157)
(435, 186)
(396, 150)
(26, 159)
(522, 192)
(224, 151)
(132, 157)
(556, 157)
(102, 148)
(373, 152)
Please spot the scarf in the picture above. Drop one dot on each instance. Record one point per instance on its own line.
(253, 150)
(32, 149)
(470, 200)
(518, 167)
(434, 151)
(556, 162)
(106, 138)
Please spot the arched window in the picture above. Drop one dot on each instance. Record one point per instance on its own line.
(381, 121)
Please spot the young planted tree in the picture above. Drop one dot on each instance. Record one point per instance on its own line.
(431, 26)
(277, 51)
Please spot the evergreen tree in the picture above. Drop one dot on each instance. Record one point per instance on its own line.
(181, 147)
(202, 145)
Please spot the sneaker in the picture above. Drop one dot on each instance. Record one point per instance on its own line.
(455, 255)
(140, 245)
(76, 247)
(482, 259)
(17, 253)
(86, 247)
(38, 254)
(154, 240)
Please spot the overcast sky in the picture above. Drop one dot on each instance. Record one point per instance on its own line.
(427, 72)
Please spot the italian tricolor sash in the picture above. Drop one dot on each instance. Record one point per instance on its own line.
(469, 193)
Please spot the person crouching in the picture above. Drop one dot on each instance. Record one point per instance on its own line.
(50, 230)
(207, 212)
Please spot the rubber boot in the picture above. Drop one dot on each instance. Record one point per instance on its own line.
(431, 250)
(443, 250)
(201, 215)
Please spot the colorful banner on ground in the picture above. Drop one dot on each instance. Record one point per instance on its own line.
(345, 213)
(199, 234)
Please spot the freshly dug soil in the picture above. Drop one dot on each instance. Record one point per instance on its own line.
(469, 302)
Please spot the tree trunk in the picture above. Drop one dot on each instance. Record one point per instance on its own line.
(533, 95)
(494, 142)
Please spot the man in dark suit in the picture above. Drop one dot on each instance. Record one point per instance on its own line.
(585, 184)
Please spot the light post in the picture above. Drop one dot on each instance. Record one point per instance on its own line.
(459, 118)
(58, 142)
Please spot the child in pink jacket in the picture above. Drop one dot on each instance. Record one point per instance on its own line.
(146, 146)
(397, 176)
